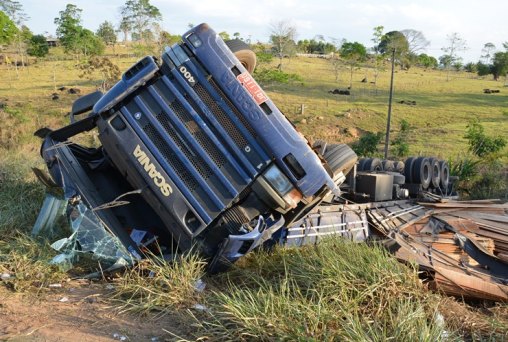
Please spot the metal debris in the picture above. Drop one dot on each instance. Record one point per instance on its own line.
(462, 246)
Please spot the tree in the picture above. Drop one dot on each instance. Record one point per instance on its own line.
(427, 61)
(487, 50)
(499, 65)
(14, 10)
(38, 46)
(377, 35)
(69, 27)
(483, 69)
(282, 36)
(89, 44)
(455, 45)
(224, 35)
(106, 32)
(140, 15)
(395, 41)
(8, 29)
(353, 53)
(471, 67)
(125, 27)
(416, 41)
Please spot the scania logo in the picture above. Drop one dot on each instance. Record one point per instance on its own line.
(186, 73)
(152, 172)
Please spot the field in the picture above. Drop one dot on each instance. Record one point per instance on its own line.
(336, 291)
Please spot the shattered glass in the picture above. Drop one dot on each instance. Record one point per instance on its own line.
(88, 235)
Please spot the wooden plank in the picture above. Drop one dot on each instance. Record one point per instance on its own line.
(457, 282)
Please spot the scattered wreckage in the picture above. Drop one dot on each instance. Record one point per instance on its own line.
(193, 154)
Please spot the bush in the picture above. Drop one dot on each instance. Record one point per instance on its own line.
(399, 144)
(38, 46)
(368, 144)
(108, 71)
(266, 76)
(479, 143)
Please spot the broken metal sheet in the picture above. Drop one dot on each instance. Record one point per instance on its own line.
(496, 266)
(453, 242)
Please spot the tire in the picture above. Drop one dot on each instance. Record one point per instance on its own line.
(373, 164)
(408, 169)
(421, 172)
(340, 158)
(445, 174)
(388, 165)
(244, 53)
(399, 167)
(435, 172)
(361, 164)
(397, 177)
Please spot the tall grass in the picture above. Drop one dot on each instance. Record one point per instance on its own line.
(161, 285)
(334, 291)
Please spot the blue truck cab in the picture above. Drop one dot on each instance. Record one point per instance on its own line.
(204, 157)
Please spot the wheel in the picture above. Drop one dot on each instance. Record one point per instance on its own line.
(399, 167)
(361, 164)
(340, 158)
(373, 164)
(408, 168)
(388, 165)
(445, 174)
(244, 53)
(421, 172)
(435, 172)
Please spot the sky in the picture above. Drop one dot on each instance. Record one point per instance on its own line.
(477, 22)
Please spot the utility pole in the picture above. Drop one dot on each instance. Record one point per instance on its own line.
(387, 139)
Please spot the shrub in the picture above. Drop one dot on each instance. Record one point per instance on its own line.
(368, 144)
(479, 143)
(108, 71)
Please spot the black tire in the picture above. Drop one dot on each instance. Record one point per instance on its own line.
(340, 158)
(421, 172)
(373, 164)
(435, 172)
(361, 164)
(388, 165)
(244, 53)
(408, 169)
(445, 174)
(397, 177)
(399, 167)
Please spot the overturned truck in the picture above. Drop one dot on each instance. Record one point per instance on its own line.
(192, 154)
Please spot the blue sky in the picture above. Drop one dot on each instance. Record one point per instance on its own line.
(478, 22)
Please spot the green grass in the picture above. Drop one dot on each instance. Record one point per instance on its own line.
(336, 291)
(439, 119)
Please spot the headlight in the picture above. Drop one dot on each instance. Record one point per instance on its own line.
(283, 186)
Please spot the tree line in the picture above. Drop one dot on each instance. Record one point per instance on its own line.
(141, 22)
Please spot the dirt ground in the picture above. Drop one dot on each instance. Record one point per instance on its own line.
(79, 311)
